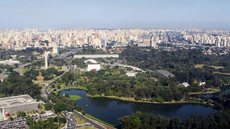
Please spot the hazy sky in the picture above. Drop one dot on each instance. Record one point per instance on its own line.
(114, 13)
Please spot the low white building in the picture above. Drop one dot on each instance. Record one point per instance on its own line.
(131, 74)
(9, 62)
(202, 83)
(93, 67)
(185, 84)
(3, 76)
(93, 56)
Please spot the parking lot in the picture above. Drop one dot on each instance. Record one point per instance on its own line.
(19, 123)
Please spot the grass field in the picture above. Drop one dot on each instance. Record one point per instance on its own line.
(96, 119)
(74, 97)
(216, 67)
(225, 74)
(89, 127)
(212, 66)
(199, 65)
(79, 120)
(207, 91)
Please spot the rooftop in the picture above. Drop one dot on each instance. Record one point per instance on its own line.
(16, 101)
(165, 73)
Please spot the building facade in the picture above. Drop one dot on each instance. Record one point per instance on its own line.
(14, 104)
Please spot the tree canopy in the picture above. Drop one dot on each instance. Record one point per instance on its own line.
(146, 121)
(15, 84)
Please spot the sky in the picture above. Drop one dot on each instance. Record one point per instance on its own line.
(115, 14)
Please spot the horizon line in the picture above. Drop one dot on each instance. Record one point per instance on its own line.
(112, 28)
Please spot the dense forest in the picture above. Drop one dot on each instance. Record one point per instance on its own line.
(220, 120)
(114, 82)
(15, 84)
(188, 65)
(48, 74)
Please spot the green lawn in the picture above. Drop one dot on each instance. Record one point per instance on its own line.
(199, 65)
(87, 127)
(216, 67)
(79, 120)
(96, 119)
(74, 97)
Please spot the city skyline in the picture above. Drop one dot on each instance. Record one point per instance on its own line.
(210, 14)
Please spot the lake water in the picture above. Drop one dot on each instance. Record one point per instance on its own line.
(110, 110)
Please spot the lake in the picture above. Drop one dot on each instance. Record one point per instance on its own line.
(110, 110)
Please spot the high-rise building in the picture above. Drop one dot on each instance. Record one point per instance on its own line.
(55, 51)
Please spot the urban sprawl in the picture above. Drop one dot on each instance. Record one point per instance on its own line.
(167, 39)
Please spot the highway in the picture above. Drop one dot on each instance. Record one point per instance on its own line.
(65, 55)
(45, 91)
(71, 121)
(92, 122)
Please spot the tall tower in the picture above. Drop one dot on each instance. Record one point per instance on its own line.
(46, 59)
(151, 40)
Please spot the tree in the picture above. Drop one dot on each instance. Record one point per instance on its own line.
(17, 85)
(219, 120)
(58, 107)
(132, 122)
(21, 114)
(48, 106)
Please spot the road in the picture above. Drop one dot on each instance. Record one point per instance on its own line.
(21, 66)
(71, 121)
(92, 122)
(45, 91)
(65, 55)
(62, 56)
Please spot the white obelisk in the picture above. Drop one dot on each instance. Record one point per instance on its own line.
(46, 60)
